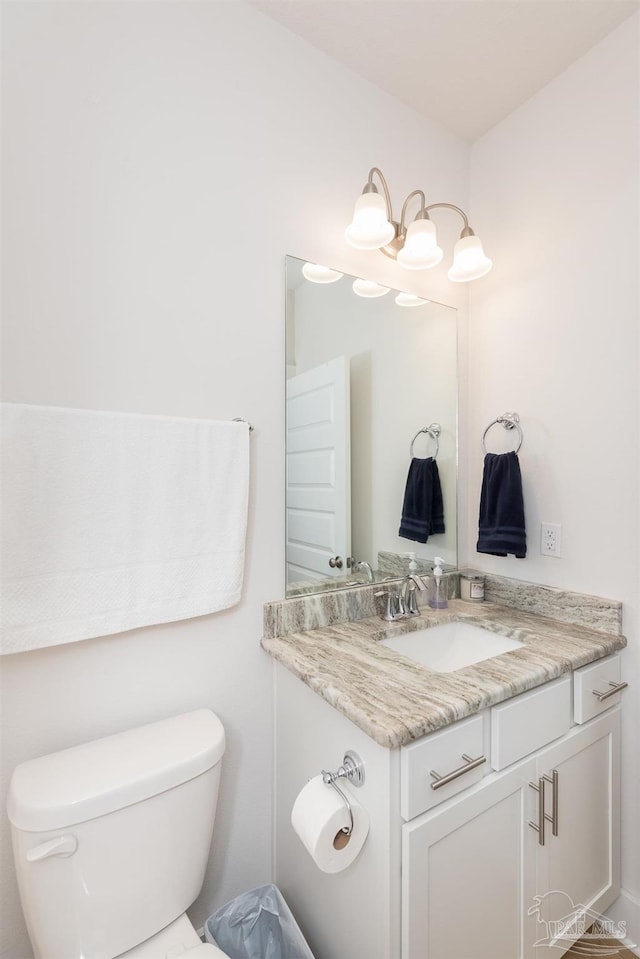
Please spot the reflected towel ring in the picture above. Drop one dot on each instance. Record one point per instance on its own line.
(509, 421)
(434, 431)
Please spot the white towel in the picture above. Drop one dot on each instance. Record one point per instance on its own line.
(113, 521)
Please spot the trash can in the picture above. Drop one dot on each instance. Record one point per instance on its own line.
(257, 925)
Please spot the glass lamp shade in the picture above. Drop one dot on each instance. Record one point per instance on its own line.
(368, 288)
(370, 228)
(410, 299)
(420, 250)
(317, 273)
(469, 261)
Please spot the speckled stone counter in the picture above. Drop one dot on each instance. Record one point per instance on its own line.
(395, 700)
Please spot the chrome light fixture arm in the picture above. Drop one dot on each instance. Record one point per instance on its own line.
(395, 244)
(422, 212)
(466, 230)
(370, 187)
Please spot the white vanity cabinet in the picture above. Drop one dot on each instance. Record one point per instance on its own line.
(459, 871)
(472, 869)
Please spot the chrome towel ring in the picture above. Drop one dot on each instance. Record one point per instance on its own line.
(434, 431)
(509, 421)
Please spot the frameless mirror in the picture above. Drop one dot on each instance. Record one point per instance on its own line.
(364, 377)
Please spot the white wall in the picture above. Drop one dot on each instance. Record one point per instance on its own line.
(553, 334)
(159, 161)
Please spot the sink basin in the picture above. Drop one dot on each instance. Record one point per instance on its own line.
(450, 646)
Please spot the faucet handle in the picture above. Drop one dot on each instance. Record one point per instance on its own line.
(392, 606)
(411, 603)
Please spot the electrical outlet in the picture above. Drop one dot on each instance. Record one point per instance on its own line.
(550, 539)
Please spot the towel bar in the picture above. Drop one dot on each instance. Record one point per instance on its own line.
(240, 419)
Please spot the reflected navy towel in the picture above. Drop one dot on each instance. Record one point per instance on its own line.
(423, 508)
(501, 524)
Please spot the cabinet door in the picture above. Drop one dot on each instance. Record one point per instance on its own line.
(578, 869)
(468, 872)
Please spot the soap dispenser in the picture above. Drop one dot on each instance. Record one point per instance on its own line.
(437, 597)
(413, 566)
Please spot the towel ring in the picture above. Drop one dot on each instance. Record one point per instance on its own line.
(509, 421)
(434, 431)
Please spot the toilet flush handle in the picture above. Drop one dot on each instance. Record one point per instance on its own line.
(60, 846)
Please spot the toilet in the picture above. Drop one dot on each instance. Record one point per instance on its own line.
(111, 841)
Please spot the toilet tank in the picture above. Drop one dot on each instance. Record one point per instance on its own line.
(111, 838)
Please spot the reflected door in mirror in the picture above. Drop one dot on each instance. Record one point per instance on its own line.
(318, 495)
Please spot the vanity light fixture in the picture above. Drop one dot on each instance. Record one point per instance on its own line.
(413, 246)
(368, 288)
(410, 299)
(317, 273)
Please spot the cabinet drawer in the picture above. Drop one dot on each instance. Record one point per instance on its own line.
(594, 688)
(444, 754)
(529, 721)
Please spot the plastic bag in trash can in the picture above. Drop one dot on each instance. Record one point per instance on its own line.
(257, 925)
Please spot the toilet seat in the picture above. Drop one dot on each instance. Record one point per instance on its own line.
(206, 950)
(178, 941)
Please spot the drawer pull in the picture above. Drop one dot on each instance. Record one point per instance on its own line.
(469, 764)
(553, 818)
(615, 688)
(539, 826)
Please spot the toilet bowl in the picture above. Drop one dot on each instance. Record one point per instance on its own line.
(179, 935)
(111, 841)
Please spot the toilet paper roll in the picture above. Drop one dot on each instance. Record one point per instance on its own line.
(318, 815)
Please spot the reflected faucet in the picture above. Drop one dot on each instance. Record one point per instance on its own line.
(362, 564)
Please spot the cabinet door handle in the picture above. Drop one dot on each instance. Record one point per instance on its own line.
(335, 562)
(615, 688)
(553, 818)
(469, 764)
(539, 826)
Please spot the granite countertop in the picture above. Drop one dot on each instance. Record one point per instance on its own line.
(396, 701)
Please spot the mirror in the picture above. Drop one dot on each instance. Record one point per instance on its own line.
(364, 377)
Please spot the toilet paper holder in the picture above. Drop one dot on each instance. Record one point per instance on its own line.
(352, 769)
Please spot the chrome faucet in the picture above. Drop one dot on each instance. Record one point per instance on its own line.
(362, 564)
(402, 603)
(408, 602)
(392, 606)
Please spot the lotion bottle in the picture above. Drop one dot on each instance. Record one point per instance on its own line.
(437, 598)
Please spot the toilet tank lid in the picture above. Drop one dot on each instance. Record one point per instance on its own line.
(96, 778)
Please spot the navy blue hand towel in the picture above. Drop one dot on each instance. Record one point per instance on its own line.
(423, 508)
(501, 523)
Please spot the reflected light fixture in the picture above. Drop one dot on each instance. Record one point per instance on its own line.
(317, 273)
(368, 288)
(410, 299)
(414, 246)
